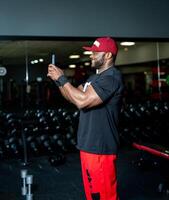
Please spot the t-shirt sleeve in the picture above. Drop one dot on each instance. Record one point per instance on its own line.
(106, 87)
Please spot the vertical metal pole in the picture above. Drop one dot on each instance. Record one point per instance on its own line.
(27, 91)
(1, 84)
(158, 69)
(25, 155)
(1, 90)
(26, 66)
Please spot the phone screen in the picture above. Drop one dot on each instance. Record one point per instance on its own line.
(53, 59)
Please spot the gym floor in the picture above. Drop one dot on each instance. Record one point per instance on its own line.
(64, 182)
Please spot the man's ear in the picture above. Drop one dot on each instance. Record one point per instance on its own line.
(109, 55)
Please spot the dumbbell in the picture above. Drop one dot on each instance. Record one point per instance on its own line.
(75, 119)
(23, 176)
(29, 182)
(12, 144)
(33, 144)
(46, 144)
(59, 141)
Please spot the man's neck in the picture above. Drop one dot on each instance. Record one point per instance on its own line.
(105, 67)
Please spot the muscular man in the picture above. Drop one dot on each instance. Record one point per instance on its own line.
(99, 101)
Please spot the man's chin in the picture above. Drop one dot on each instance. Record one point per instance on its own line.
(95, 66)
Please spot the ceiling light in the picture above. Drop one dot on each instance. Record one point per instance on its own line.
(87, 63)
(41, 60)
(36, 61)
(72, 66)
(74, 56)
(32, 62)
(87, 52)
(127, 43)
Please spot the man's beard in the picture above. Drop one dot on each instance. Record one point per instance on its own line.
(97, 64)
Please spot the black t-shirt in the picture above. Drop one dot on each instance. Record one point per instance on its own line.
(98, 126)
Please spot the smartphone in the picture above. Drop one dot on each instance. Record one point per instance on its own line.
(53, 59)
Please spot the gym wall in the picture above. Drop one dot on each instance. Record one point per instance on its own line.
(75, 18)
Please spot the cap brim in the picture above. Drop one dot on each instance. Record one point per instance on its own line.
(88, 48)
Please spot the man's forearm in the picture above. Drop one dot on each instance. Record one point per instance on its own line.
(63, 92)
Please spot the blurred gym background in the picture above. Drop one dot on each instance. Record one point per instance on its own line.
(38, 157)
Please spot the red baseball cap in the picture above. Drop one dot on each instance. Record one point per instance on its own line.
(104, 44)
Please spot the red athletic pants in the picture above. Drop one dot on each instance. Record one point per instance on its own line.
(99, 176)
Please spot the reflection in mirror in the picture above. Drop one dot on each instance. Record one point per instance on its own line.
(144, 66)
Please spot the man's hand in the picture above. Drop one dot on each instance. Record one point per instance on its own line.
(54, 72)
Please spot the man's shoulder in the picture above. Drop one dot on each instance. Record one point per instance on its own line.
(112, 73)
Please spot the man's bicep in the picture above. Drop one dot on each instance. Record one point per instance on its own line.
(107, 87)
(92, 98)
(80, 87)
